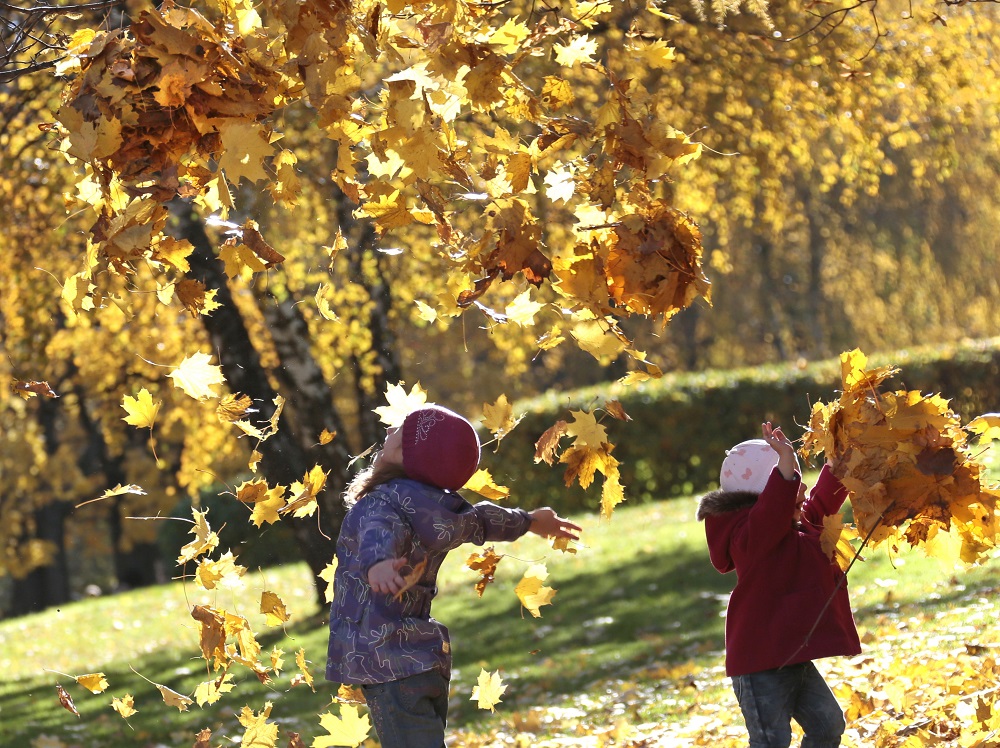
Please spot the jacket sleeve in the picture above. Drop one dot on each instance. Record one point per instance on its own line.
(826, 498)
(770, 519)
(383, 533)
(499, 523)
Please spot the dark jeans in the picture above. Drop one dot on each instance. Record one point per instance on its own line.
(771, 699)
(410, 712)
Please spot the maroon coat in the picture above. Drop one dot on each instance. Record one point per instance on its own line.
(783, 578)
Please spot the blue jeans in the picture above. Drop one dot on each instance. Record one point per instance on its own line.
(771, 699)
(410, 712)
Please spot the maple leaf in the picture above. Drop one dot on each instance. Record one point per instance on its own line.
(581, 50)
(174, 699)
(66, 700)
(585, 429)
(482, 483)
(259, 732)
(232, 407)
(28, 390)
(400, 403)
(244, 147)
(327, 436)
(93, 682)
(499, 417)
(531, 591)
(350, 694)
(522, 309)
(302, 502)
(141, 409)
(349, 729)
(209, 692)
(274, 609)
(486, 564)
(224, 573)
(986, 426)
(327, 575)
(300, 661)
(411, 578)
(205, 540)
(125, 706)
(196, 376)
(488, 690)
(203, 739)
(212, 638)
(616, 410)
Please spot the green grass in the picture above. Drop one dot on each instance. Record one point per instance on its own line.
(635, 633)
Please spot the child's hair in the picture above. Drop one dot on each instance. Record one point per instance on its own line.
(367, 479)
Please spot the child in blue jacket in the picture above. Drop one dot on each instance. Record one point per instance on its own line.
(404, 516)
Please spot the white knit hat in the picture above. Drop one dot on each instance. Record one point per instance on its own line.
(747, 466)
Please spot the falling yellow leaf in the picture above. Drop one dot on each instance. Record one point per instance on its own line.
(986, 426)
(172, 698)
(349, 729)
(327, 436)
(196, 376)
(300, 661)
(141, 409)
(485, 563)
(401, 403)
(488, 690)
(522, 309)
(581, 50)
(211, 691)
(531, 591)
(205, 540)
(499, 417)
(259, 732)
(585, 429)
(327, 575)
(274, 609)
(224, 573)
(125, 706)
(93, 682)
(482, 483)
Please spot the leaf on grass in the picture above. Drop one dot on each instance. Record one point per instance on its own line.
(485, 564)
(488, 690)
(349, 729)
(141, 409)
(93, 682)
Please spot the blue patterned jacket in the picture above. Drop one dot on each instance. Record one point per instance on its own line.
(377, 638)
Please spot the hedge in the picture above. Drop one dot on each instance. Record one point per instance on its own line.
(683, 423)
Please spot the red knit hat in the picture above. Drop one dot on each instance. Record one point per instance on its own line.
(440, 447)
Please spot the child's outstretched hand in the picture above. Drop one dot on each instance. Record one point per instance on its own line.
(548, 524)
(384, 577)
(788, 463)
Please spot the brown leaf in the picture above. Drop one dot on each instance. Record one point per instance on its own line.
(66, 700)
(202, 739)
(253, 239)
(486, 564)
(409, 580)
(31, 389)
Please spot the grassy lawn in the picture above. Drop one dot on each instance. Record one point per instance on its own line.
(629, 653)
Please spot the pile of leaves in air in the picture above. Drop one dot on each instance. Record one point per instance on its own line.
(907, 461)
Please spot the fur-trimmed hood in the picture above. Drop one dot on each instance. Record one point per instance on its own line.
(722, 502)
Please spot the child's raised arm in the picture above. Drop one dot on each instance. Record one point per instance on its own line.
(548, 524)
(788, 463)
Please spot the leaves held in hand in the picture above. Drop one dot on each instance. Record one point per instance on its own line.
(905, 459)
(411, 577)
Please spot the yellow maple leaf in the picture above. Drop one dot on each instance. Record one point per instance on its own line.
(125, 706)
(482, 483)
(172, 698)
(259, 732)
(486, 564)
(498, 417)
(209, 692)
(205, 540)
(224, 573)
(273, 608)
(349, 729)
(488, 690)
(531, 591)
(196, 376)
(268, 508)
(560, 183)
(586, 431)
(300, 661)
(93, 682)
(232, 407)
(302, 502)
(327, 575)
(245, 145)
(401, 403)
(986, 426)
(581, 50)
(612, 494)
(350, 694)
(509, 36)
(277, 658)
(141, 409)
(522, 309)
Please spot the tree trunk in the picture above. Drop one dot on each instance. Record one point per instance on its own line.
(47, 585)
(290, 453)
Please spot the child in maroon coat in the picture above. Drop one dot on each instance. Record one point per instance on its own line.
(790, 604)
